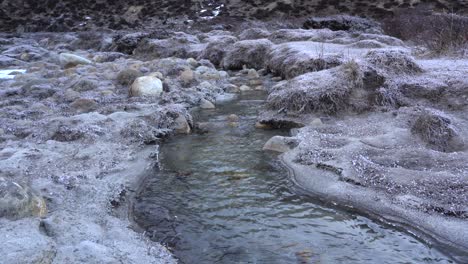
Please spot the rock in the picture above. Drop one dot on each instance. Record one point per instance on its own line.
(146, 86)
(127, 76)
(40, 91)
(316, 122)
(84, 105)
(70, 95)
(157, 75)
(205, 104)
(231, 88)
(259, 88)
(233, 118)
(252, 74)
(68, 60)
(181, 125)
(280, 144)
(84, 84)
(18, 201)
(192, 62)
(255, 82)
(187, 76)
(245, 88)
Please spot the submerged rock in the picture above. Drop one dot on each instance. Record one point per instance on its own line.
(146, 86)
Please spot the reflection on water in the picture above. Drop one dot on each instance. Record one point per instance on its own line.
(219, 198)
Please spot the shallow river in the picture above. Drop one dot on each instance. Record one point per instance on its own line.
(218, 198)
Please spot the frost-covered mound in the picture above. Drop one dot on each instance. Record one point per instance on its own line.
(77, 128)
(401, 156)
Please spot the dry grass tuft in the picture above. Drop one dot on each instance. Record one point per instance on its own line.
(442, 34)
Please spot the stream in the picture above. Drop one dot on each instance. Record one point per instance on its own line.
(218, 198)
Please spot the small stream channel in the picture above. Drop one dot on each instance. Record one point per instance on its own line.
(218, 198)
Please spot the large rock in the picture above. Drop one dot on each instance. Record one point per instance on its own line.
(146, 86)
(68, 60)
(18, 201)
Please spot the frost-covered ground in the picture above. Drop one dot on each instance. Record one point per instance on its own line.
(382, 131)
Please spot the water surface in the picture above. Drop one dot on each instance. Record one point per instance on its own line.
(218, 198)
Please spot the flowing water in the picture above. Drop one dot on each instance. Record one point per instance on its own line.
(218, 198)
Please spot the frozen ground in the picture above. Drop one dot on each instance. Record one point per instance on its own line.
(382, 132)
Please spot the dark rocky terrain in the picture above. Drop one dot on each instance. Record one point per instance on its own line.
(78, 15)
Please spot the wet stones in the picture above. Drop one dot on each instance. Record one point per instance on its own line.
(280, 144)
(146, 86)
(18, 201)
(205, 104)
